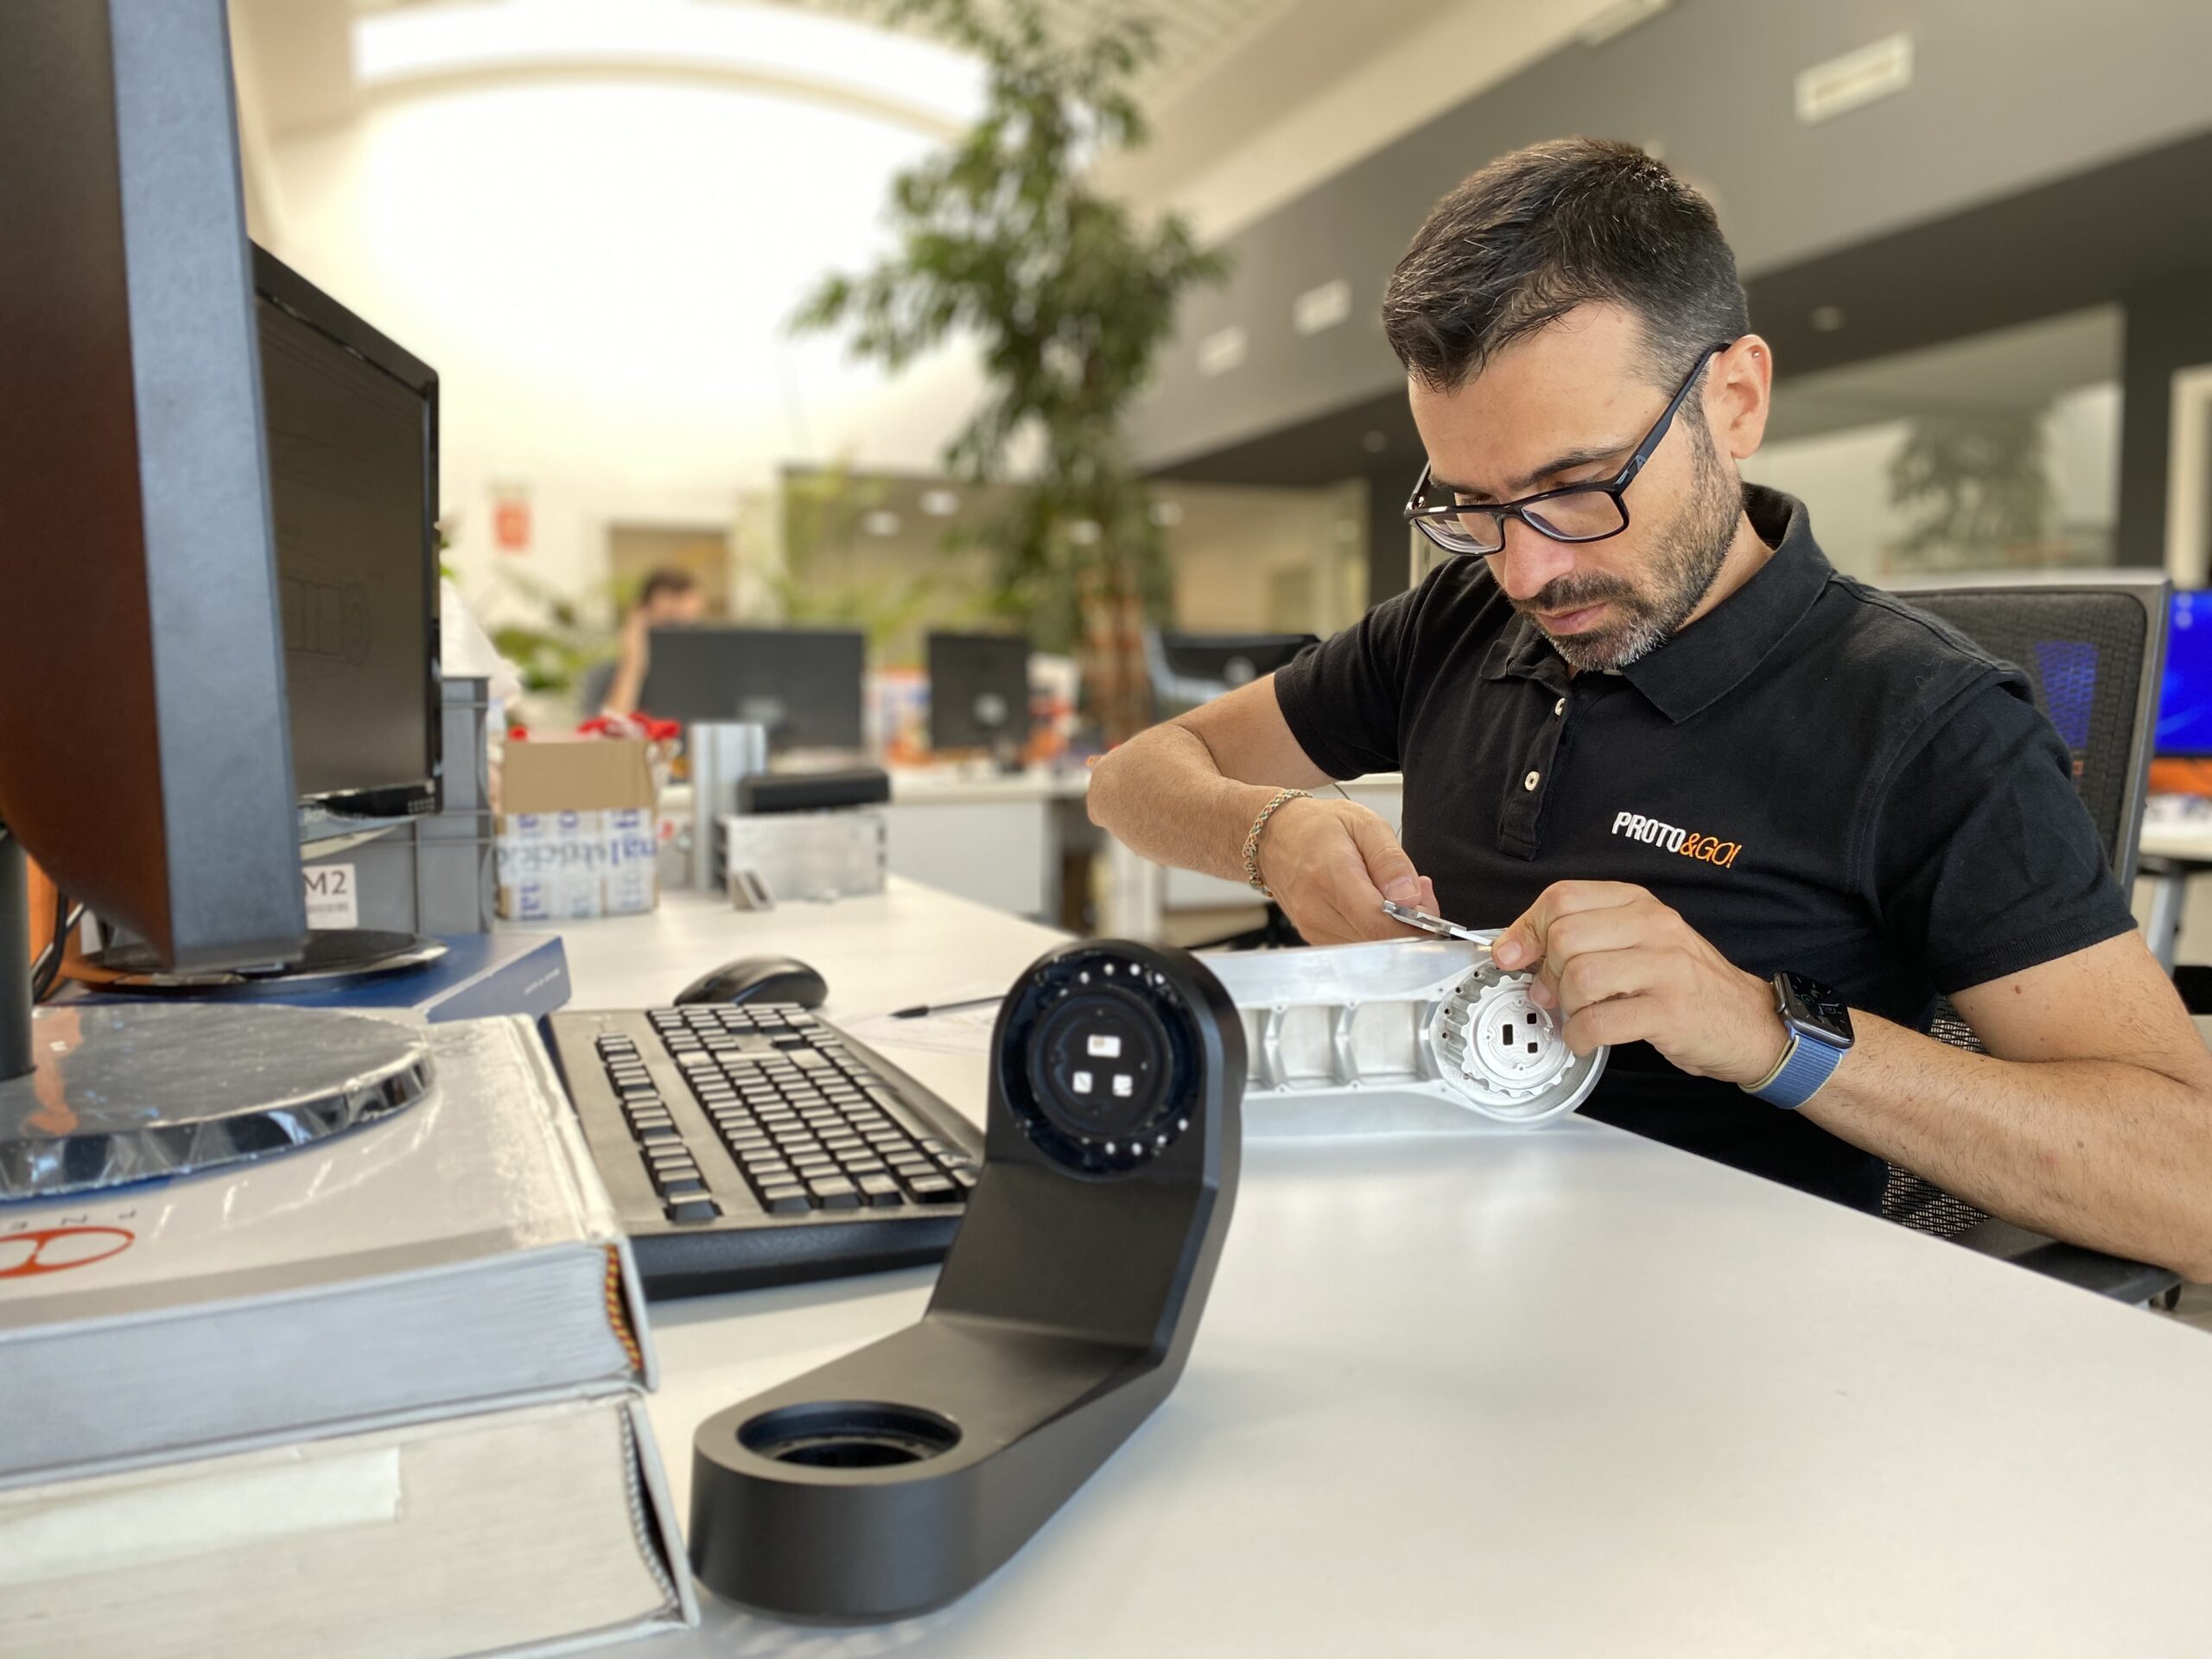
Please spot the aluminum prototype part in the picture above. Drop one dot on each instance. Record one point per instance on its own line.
(1402, 1036)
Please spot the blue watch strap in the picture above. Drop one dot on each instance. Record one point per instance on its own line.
(1809, 1064)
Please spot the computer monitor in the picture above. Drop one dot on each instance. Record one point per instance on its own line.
(145, 757)
(352, 434)
(1229, 659)
(979, 691)
(2185, 689)
(803, 685)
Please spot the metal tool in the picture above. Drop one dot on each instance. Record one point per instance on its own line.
(1413, 916)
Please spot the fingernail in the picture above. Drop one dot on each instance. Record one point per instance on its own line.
(1506, 952)
(1406, 890)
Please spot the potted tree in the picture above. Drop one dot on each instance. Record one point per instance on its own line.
(1002, 238)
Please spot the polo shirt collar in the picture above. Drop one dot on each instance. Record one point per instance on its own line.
(1711, 656)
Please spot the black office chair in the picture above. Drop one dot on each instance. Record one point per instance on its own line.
(2093, 647)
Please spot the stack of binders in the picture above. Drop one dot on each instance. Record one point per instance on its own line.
(382, 1395)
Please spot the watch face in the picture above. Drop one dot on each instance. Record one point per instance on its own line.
(1808, 1003)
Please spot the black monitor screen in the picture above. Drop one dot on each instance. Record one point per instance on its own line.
(348, 488)
(2185, 693)
(803, 685)
(1231, 659)
(979, 691)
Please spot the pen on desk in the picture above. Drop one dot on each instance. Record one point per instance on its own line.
(923, 1010)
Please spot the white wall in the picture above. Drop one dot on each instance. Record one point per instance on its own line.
(601, 272)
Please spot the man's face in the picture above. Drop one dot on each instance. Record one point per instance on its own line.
(1579, 393)
(668, 609)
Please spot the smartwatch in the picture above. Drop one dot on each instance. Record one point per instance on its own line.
(1819, 1036)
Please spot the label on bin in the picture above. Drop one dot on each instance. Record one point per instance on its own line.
(333, 899)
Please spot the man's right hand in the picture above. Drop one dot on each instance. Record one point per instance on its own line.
(1331, 864)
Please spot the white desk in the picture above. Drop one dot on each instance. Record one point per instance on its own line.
(994, 838)
(1554, 1392)
(2186, 844)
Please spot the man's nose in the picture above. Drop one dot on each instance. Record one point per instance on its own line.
(1529, 562)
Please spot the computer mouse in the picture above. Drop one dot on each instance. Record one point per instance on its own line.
(758, 979)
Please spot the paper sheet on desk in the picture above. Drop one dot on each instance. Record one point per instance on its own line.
(963, 1031)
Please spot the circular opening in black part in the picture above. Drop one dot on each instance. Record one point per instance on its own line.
(836, 1434)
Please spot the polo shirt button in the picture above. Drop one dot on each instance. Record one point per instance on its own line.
(1559, 708)
(1530, 781)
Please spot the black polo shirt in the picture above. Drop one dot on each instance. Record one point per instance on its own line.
(1817, 777)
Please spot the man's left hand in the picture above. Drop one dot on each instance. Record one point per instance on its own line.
(1620, 967)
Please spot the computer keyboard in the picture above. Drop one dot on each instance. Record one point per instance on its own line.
(758, 1145)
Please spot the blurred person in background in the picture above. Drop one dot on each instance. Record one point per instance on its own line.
(670, 598)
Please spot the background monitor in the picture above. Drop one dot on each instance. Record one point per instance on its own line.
(145, 745)
(2185, 690)
(352, 422)
(803, 685)
(1229, 659)
(979, 691)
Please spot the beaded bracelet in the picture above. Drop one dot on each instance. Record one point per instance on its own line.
(1252, 837)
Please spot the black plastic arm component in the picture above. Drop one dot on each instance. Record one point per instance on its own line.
(891, 1481)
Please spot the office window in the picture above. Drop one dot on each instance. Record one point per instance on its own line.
(2000, 451)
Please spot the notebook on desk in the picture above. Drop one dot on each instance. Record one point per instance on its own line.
(533, 1530)
(460, 1253)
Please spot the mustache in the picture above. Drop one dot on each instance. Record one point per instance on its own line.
(1573, 593)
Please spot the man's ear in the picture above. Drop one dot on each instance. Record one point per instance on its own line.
(1738, 393)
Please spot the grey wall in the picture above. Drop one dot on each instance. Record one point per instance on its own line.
(2004, 96)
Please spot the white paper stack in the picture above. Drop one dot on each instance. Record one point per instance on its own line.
(382, 1395)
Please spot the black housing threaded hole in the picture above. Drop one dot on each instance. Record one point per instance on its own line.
(840, 1434)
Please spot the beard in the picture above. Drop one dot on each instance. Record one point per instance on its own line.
(1683, 565)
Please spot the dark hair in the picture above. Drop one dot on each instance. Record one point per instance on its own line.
(1533, 235)
(666, 580)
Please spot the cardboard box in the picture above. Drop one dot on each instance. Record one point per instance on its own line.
(576, 830)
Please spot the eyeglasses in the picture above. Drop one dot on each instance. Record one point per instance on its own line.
(1581, 512)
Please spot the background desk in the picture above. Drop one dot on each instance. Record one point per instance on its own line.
(2173, 851)
(1557, 1392)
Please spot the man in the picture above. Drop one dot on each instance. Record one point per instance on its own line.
(1639, 715)
(671, 598)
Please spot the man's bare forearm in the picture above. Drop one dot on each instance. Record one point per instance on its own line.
(1162, 794)
(2103, 1152)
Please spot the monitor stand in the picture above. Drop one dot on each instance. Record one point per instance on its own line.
(97, 1096)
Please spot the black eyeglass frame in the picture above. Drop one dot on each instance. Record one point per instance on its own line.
(1419, 515)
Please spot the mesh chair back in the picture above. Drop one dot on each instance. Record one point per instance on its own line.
(2093, 650)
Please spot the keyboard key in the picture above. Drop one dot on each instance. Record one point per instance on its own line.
(659, 1132)
(864, 1166)
(880, 1191)
(790, 1199)
(835, 1193)
(680, 1187)
(694, 1210)
(934, 1189)
(965, 1177)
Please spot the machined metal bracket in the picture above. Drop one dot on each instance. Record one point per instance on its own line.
(1408, 1036)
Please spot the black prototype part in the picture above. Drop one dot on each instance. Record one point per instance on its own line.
(894, 1480)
